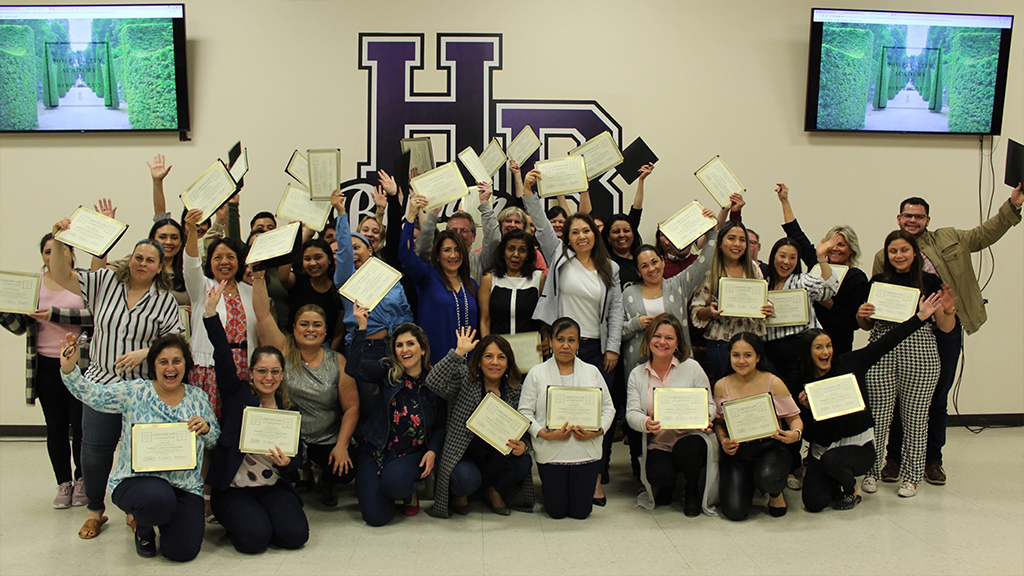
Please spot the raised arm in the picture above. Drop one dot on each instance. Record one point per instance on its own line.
(60, 269)
(550, 245)
(792, 228)
(158, 170)
(223, 361)
(492, 232)
(987, 233)
(344, 258)
(266, 325)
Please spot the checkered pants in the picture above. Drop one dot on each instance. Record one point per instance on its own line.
(908, 373)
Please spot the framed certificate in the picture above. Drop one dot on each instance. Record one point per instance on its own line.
(269, 245)
(523, 146)
(742, 297)
(495, 422)
(682, 408)
(892, 302)
(575, 406)
(185, 316)
(163, 447)
(687, 225)
(440, 186)
(492, 157)
(838, 270)
(562, 176)
(472, 163)
(750, 418)
(833, 397)
(241, 166)
(421, 154)
(371, 283)
(324, 172)
(92, 232)
(601, 154)
(19, 292)
(298, 168)
(790, 308)
(525, 348)
(296, 206)
(719, 180)
(264, 428)
(211, 190)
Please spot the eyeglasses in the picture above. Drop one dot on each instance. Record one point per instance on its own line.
(461, 230)
(906, 216)
(275, 372)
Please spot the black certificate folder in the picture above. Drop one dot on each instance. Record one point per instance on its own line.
(634, 157)
(1014, 163)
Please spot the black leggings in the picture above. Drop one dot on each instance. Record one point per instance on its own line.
(319, 454)
(61, 411)
(836, 470)
(688, 456)
(568, 490)
(761, 464)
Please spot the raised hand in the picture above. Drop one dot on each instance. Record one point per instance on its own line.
(387, 183)
(948, 300)
(485, 191)
(736, 202)
(826, 245)
(338, 201)
(106, 208)
(645, 171)
(213, 298)
(380, 199)
(361, 314)
(531, 178)
(192, 219)
(928, 305)
(465, 340)
(158, 168)
(513, 166)
(783, 191)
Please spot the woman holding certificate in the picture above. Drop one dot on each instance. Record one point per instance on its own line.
(754, 446)
(910, 372)
(166, 426)
(469, 463)
(568, 454)
(673, 446)
(131, 308)
(510, 291)
(583, 285)
(405, 432)
(324, 394)
(731, 261)
(252, 497)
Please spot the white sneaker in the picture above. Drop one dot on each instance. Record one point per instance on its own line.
(78, 497)
(907, 490)
(63, 499)
(869, 485)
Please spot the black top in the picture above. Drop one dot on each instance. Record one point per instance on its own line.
(627, 266)
(302, 293)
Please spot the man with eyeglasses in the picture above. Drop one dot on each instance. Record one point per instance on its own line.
(463, 224)
(946, 252)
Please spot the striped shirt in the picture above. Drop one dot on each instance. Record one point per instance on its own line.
(817, 290)
(118, 329)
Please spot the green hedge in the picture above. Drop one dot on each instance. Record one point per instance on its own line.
(148, 81)
(845, 83)
(18, 70)
(971, 79)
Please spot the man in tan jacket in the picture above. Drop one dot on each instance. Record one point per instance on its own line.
(947, 254)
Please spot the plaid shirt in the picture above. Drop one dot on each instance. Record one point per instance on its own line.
(19, 324)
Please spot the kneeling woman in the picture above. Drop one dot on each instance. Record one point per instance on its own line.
(405, 431)
(761, 464)
(469, 463)
(666, 453)
(251, 498)
(171, 500)
(569, 457)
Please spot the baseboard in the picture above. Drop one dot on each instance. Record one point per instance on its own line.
(22, 430)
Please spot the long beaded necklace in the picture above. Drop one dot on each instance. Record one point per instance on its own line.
(464, 309)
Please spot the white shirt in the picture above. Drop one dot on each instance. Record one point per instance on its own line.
(580, 298)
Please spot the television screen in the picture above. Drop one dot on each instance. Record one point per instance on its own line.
(907, 72)
(93, 68)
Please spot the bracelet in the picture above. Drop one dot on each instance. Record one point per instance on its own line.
(799, 432)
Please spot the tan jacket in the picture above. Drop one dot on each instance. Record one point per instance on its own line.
(950, 251)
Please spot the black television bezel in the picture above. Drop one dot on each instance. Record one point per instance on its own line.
(180, 74)
(814, 77)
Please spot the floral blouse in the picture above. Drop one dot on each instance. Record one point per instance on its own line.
(406, 434)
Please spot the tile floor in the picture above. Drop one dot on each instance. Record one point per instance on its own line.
(973, 525)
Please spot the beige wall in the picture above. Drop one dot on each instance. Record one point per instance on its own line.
(694, 78)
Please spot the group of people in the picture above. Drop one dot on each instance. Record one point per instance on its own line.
(385, 393)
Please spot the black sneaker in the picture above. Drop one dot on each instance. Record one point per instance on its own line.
(846, 502)
(327, 495)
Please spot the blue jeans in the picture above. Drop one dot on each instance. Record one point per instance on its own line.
(100, 434)
(398, 480)
(718, 358)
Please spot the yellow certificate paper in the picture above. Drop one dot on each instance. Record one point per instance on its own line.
(742, 297)
(296, 206)
(892, 302)
(750, 418)
(525, 348)
(523, 146)
(19, 292)
(92, 232)
(211, 190)
(838, 270)
(687, 225)
(833, 397)
(273, 244)
(681, 408)
(790, 308)
(492, 157)
(371, 283)
(185, 314)
(601, 154)
(163, 447)
(324, 172)
(719, 180)
(421, 154)
(298, 168)
(241, 166)
(472, 163)
(575, 406)
(495, 422)
(265, 428)
(440, 186)
(562, 176)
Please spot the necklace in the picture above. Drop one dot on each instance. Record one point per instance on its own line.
(464, 309)
(315, 357)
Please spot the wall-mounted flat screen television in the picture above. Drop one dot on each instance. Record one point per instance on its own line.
(876, 71)
(93, 68)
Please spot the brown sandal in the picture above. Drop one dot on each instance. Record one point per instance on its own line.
(91, 528)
